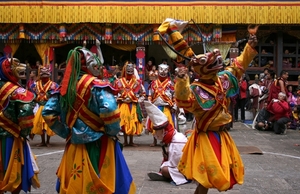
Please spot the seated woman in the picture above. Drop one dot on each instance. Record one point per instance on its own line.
(281, 113)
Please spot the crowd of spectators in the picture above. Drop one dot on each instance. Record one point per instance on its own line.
(275, 104)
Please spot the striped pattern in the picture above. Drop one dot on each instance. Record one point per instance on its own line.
(151, 12)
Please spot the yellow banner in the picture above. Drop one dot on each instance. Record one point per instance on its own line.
(147, 12)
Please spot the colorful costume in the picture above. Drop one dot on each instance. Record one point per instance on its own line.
(43, 89)
(161, 93)
(210, 156)
(86, 114)
(130, 90)
(18, 168)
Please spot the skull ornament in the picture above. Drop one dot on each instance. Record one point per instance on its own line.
(207, 65)
(129, 69)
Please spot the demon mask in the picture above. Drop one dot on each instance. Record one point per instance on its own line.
(207, 65)
(12, 70)
(163, 71)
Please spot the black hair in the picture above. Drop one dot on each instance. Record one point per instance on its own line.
(272, 73)
(283, 72)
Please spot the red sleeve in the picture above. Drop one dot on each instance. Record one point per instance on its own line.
(284, 105)
(270, 107)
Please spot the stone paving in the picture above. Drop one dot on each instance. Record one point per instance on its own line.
(276, 171)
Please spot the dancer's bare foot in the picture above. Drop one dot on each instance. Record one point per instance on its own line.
(41, 145)
(125, 144)
(48, 145)
(153, 144)
(133, 145)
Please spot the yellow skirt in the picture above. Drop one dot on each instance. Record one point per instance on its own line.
(11, 179)
(77, 175)
(199, 161)
(39, 124)
(129, 119)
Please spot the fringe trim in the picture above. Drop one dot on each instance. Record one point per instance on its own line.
(226, 13)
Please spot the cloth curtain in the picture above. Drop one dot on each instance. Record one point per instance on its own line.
(223, 47)
(41, 48)
(14, 47)
(129, 47)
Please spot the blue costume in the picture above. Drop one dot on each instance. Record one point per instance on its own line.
(85, 113)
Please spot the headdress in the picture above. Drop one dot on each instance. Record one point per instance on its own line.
(160, 121)
(207, 65)
(157, 117)
(44, 72)
(11, 69)
(128, 67)
(80, 61)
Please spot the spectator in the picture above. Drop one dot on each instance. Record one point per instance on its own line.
(263, 75)
(267, 82)
(280, 110)
(279, 85)
(32, 79)
(262, 120)
(153, 74)
(242, 99)
(291, 97)
(255, 93)
(295, 117)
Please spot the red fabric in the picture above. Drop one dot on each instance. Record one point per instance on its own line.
(104, 140)
(22, 95)
(216, 145)
(6, 68)
(275, 90)
(279, 109)
(243, 89)
(67, 75)
(169, 130)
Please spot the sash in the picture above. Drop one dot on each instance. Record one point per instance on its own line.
(128, 89)
(42, 90)
(159, 90)
(80, 106)
(218, 110)
(5, 123)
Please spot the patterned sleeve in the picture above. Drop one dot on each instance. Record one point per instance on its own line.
(105, 105)
(239, 65)
(25, 118)
(54, 117)
(184, 97)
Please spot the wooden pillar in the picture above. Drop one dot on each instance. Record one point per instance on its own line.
(279, 53)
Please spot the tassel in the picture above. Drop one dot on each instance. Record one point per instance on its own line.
(21, 31)
(62, 32)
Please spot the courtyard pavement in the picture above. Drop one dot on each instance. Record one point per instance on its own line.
(275, 171)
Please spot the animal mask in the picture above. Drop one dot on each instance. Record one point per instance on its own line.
(45, 72)
(207, 65)
(13, 70)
